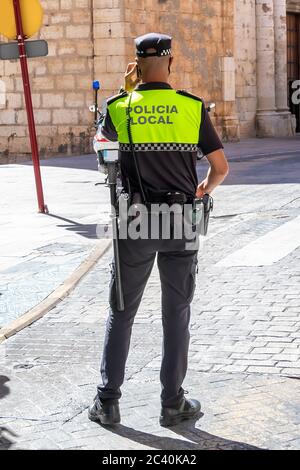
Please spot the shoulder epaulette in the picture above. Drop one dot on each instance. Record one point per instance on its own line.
(116, 97)
(189, 95)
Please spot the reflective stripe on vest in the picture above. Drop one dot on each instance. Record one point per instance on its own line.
(158, 117)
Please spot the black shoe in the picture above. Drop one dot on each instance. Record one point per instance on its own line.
(104, 413)
(187, 410)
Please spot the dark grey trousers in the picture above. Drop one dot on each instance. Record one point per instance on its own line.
(177, 274)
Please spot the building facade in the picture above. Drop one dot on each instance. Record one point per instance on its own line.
(243, 55)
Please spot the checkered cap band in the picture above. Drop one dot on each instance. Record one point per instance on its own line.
(162, 53)
(160, 147)
(166, 52)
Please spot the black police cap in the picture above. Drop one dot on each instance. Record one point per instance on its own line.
(160, 42)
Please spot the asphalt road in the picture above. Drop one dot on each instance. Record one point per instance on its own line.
(256, 170)
(283, 169)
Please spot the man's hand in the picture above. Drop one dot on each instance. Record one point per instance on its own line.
(216, 173)
(202, 189)
(130, 77)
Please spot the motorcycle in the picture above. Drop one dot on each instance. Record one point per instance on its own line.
(108, 163)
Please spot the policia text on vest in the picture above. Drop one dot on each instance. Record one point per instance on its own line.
(174, 119)
(161, 114)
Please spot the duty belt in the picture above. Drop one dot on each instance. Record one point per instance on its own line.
(168, 197)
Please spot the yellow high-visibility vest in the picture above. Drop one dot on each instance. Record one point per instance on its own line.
(159, 116)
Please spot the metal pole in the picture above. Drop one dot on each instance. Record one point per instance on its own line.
(27, 93)
(96, 107)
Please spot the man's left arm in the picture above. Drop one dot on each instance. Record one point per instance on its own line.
(211, 146)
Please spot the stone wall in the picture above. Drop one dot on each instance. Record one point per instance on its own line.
(218, 55)
(60, 84)
(110, 31)
(94, 39)
(202, 35)
(245, 56)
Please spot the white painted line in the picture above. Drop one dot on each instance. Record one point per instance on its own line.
(267, 249)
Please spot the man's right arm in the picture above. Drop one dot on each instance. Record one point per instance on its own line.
(130, 81)
(108, 129)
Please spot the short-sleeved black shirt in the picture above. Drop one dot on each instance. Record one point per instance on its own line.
(165, 170)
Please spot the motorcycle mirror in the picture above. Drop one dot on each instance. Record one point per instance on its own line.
(211, 106)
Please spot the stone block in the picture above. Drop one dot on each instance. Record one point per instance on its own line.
(116, 64)
(78, 31)
(7, 116)
(111, 46)
(58, 18)
(66, 4)
(14, 100)
(53, 32)
(65, 82)
(53, 100)
(43, 83)
(74, 100)
(65, 116)
(108, 15)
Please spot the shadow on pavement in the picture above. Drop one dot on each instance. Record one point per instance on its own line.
(91, 231)
(5, 442)
(4, 389)
(194, 438)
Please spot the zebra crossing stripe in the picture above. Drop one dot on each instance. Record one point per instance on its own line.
(267, 249)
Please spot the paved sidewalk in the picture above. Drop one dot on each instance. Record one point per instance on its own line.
(37, 251)
(244, 356)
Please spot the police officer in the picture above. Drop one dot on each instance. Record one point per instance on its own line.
(166, 128)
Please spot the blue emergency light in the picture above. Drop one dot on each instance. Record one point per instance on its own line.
(96, 85)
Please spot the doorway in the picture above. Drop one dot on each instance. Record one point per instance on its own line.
(293, 58)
